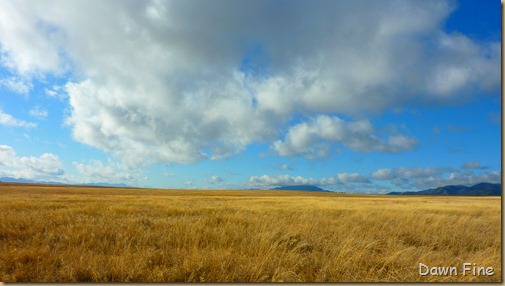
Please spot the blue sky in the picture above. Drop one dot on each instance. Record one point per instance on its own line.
(362, 97)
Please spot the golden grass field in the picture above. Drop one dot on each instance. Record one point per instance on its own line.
(66, 234)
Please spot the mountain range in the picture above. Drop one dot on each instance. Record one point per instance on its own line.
(482, 189)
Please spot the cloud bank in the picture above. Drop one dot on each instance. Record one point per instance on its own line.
(49, 168)
(45, 167)
(183, 81)
(401, 179)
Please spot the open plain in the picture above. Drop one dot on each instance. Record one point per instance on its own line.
(52, 233)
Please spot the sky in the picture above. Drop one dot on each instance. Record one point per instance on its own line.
(353, 96)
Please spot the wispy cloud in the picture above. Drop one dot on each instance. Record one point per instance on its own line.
(285, 167)
(38, 112)
(55, 91)
(95, 171)
(457, 129)
(473, 165)
(8, 120)
(16, 85)
(436, 130)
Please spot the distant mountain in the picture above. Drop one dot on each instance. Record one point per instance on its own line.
(307, 188)
(482, 189)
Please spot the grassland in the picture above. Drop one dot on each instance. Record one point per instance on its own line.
(63, 233)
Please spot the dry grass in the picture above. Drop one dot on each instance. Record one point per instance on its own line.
(62, 233)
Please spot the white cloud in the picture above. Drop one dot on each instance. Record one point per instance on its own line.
(215, 179)
(29, 44)
(8, 120)
(38, 112)
(280, 180)
(417, 178)
(352, 178)
(422, 177)
(457, 178)
(166, 81)
(384, 174)
(347, 182)
(45, 167)
(412, 172)
(16, 85)
(312, 139)
(55, 91)
(328, 181)
(463, 61)
(98, 172)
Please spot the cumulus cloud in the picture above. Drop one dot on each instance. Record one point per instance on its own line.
(185, 81)
(328, 181)
(417, 178)
(384, 174)
(457, 178)
(45, 167)
(312, 139)
(413, 172)
(346, 182)
(30, 45)
(352, 178)
(280, 180)
(8, 120)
